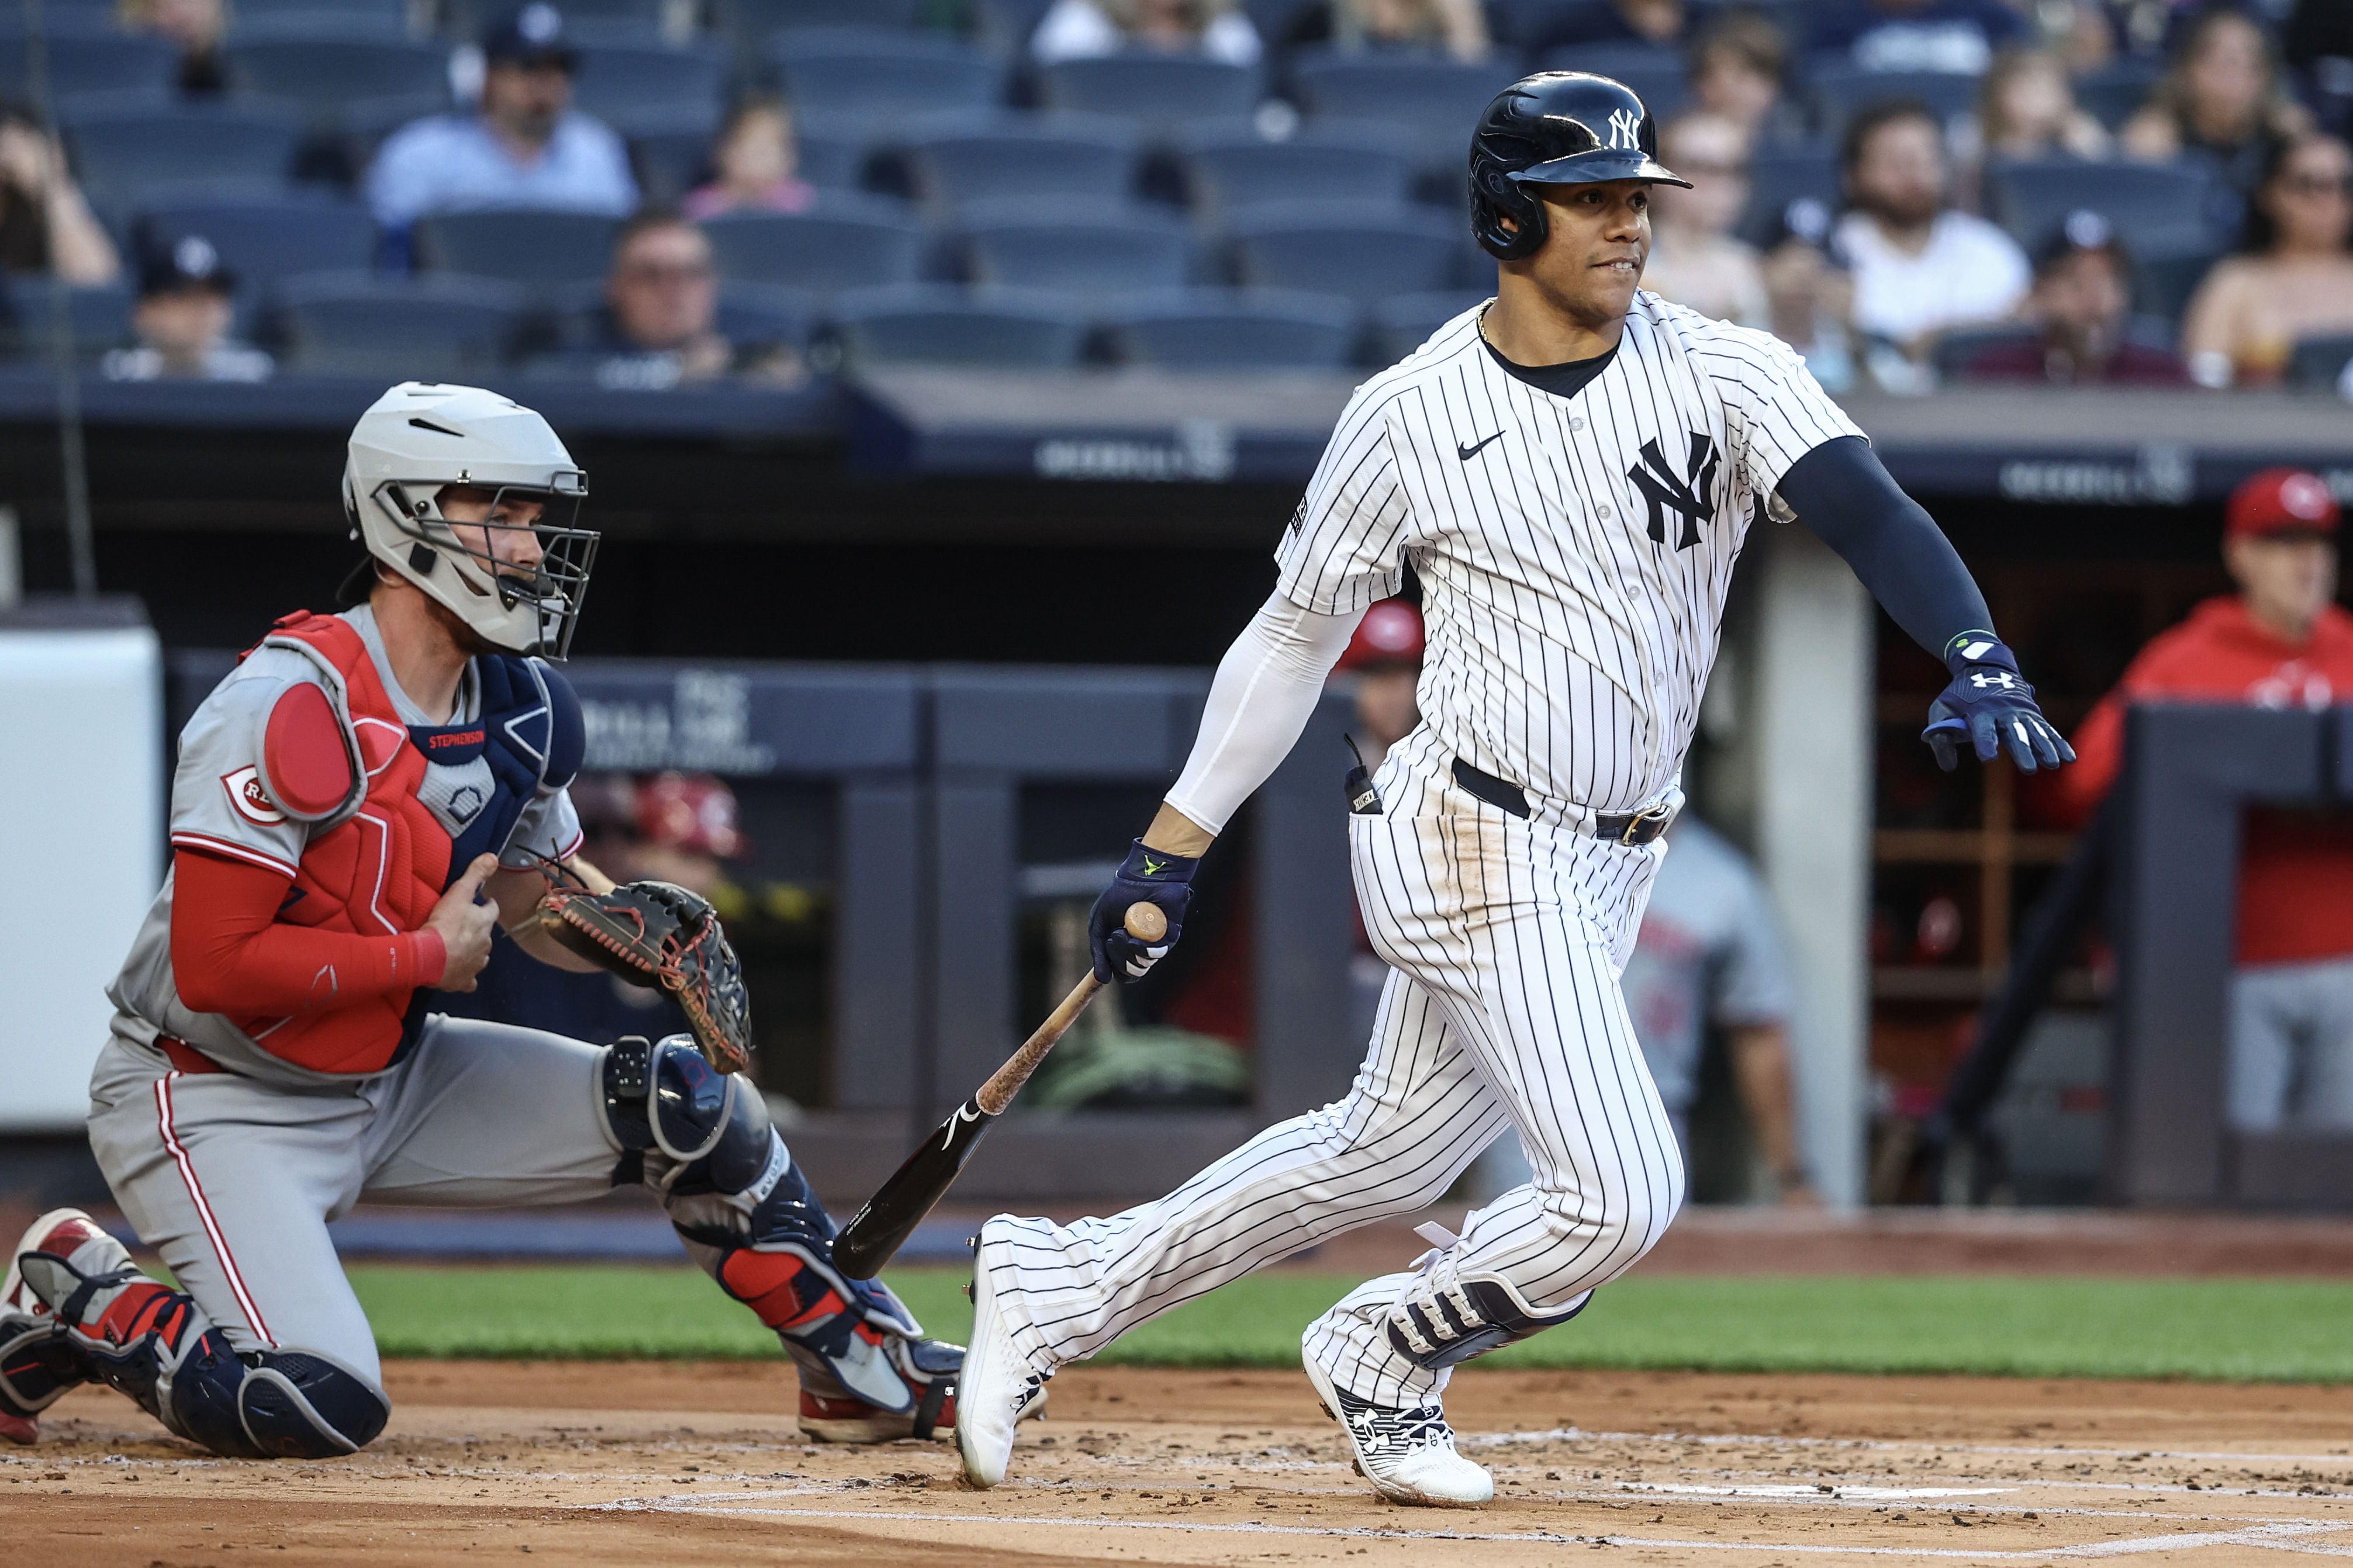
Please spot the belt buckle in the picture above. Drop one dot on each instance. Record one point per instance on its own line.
(1658, 812)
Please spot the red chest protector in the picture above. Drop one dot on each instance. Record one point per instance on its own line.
(338, 756)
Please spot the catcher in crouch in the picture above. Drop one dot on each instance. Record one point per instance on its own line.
(343, 800)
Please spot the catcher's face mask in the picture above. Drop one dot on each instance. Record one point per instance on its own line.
(517, 549)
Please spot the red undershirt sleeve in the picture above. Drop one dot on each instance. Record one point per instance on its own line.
(230, 954)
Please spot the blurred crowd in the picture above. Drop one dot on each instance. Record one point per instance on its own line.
(649, 194)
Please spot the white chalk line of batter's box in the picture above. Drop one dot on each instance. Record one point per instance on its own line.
(1730, 1439)
(2278, 1537)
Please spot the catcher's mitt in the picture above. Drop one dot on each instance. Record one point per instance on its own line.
(659, 935)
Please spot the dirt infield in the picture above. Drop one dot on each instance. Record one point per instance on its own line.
(700, 1462)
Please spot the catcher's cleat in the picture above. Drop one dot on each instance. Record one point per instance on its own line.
(999, 1390)
(832, 1413)
(1408, 1454)
(37, 1363)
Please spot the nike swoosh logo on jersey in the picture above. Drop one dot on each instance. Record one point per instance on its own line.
(1467, 453)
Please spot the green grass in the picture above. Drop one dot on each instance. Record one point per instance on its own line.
(2229, 1330)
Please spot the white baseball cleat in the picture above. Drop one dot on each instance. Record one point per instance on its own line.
(996, 1390)
(1408, 1454)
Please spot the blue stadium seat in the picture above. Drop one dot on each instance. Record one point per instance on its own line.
(100, 318)
(87, 60)
(619, 84)
(264, 242)
(937, 323)
(323, 64)
(1840, 91)
(1776, 179)
(123, 153)
(1155, 90)
(670, 150)
(356, 323)
(761, 313)
(993, 156)
(1367, 251)
(1403, 322)
(2157, 209)
(2115, 93)
(517, 245)
(1655, 74)
(2163, 286)
(873, 74)
(1957, 348)
(2318, 363)
(1088, 247)
(748, 26)
(1005, 25)
(1228, 165)
(389, 15)
(1439, 100)
(1206, 329)
(583, 20)
(845, 241)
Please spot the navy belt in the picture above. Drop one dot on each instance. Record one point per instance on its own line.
(1634, 828)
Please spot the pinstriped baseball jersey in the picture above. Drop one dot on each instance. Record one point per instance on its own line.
(1573, 551)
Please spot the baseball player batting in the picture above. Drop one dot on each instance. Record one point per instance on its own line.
(343, 800)
(1570, 470)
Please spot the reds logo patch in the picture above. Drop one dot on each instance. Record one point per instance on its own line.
(252, 802)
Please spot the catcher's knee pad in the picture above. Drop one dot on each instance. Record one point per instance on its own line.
(1442, 1320)
(710, 1128)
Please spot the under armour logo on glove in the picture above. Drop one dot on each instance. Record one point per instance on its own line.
(1989, 702)
(1151, 877)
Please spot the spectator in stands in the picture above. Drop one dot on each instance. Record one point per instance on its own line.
(1660, 22)
(757, 164)
(186, 306)
(2221, 106)
(1457, 28)
(195, 27)
(2026, 109)
(1084, 29)
(1738, 65)
(45, 224)
(2281, 641)
(1919, 267)
(526, 147)
(659, 327)
(1696, 259)
(2292, 276)
(1956, 35)
(1809, 296)
(2083, 292)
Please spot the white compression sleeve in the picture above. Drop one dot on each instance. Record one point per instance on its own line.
(1266, 685)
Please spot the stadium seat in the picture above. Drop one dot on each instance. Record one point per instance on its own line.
(1230, 166)
(517, 245)
(123, 153)
(872, 74)
(1087, 248)
(843, 242)
(1777, 178)
(264, 242)
(1216, 328)
(1403, 322)
(583, 20)
(1655, 74)
(748, 313)
(1367, 251)
(2115, 93)
(669, 152)
(2318, 364)
(1152, 89)
(99, 318)
(326, 69)
(936, 324)
(1005, 25)
(621, 85)
(93, 61)
(833, 149)
(356, 323)
(1842, 90)
(2157, 209)
(748, 26)
(390, 16)
(998, 156)
(1956, 349)
(2164, 285)
(1437, 100)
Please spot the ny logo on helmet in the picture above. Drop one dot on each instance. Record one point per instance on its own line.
(1625, 128)
(1691, 495)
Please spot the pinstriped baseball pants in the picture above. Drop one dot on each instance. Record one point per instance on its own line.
(1507, 938)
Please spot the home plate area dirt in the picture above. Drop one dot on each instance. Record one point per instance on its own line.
(668, 1463)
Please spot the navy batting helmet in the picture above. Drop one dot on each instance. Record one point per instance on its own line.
(1554, 128)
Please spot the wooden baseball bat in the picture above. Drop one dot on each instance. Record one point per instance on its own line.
(877, 1231)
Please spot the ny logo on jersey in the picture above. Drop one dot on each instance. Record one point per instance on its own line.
(1692, 495)
(1625, 128)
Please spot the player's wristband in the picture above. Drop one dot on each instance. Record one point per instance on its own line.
(428, 955)
(1977, 647)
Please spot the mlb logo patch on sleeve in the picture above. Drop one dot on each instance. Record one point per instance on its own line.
(252, 802)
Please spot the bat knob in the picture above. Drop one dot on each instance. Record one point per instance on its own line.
(1146, 922)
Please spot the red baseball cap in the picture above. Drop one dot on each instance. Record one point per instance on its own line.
(692, 812)
(2281, 500)
(1390, 633)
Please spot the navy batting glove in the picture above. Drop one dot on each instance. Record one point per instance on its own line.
(1149, 877)
(1992, 706)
